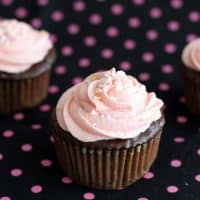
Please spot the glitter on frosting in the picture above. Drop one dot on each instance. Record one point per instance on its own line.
(107, 105)
(21, 46)
(191, 55)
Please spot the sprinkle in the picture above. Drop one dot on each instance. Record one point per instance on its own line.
(97, 97)
(93, 78)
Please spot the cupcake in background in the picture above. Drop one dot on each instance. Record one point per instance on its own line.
(26, 58)
(190, 68)
(107, 130)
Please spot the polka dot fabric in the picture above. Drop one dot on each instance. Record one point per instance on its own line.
(142, 37)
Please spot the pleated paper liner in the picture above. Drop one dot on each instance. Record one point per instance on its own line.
(192, 93)
(191, 80)
(104, 168)
(24, 93)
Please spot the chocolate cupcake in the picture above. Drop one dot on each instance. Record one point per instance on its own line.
(26, 58)
(190, 68)
(107, 130)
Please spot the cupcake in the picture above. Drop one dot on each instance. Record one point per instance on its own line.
(190, 67)
(107, 130)
(26, 57)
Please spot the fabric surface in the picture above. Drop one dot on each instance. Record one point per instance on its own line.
(144, 38)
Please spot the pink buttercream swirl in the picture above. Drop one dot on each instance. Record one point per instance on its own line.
(21, 46)
(191, 55)
(107, 105)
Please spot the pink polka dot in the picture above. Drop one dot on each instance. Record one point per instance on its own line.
(198, 152)
(182, 100)
(143, 198)
(51, 138)
(79, 6)
(112, 31)
(36, 126)
(197, 177)
(194, 16)
(89, 196)
(18, 116)
(16, 172)
(190, 37)
(26, 147)
(151, 34)
(57, 16)
(21, 12)
(148, 57)
(66, 180)
(129, 44)
(1, 156)
(176, 163)
(170, 48)
(148, 175)
(155, 13)
(182, 119)
(53, 38)
(53, 89)
(138, 2)
(6, 2)
(46, 163)
(61, 69)
(117, 9)
(134, 22)
(172, 189)
(179, 139)
(164, 87)
(5, 198)
(77, 80)
(8, 133)
(42, 2)
(36, 22)
(167, 69)
(95, 19)
(45, 108)
(36, 189)
(67, 50)
(84, 62)
(173, 25)
(144, 76)
(125, 65)
(107, 53)
(176, 4)
(89, 41)
(73, 29)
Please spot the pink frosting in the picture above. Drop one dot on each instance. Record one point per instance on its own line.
(21, 46)
(191, 55)
(107, 105)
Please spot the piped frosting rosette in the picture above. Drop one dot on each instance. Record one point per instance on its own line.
(107, 105)
(21, 46)
(191, 55)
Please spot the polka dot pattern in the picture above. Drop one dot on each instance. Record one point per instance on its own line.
(143, 38)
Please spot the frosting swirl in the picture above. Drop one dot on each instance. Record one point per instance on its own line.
(21, 46)
(191, 55)
(107, 105)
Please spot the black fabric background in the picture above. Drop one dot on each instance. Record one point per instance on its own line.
(18, 188)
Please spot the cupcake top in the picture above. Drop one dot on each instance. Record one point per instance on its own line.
(21, 46)
(107, 105)
(191, 55)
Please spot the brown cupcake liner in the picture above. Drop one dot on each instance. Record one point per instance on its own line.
(192, 90)
(24, 93)
(192, 93)
(103, 168)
